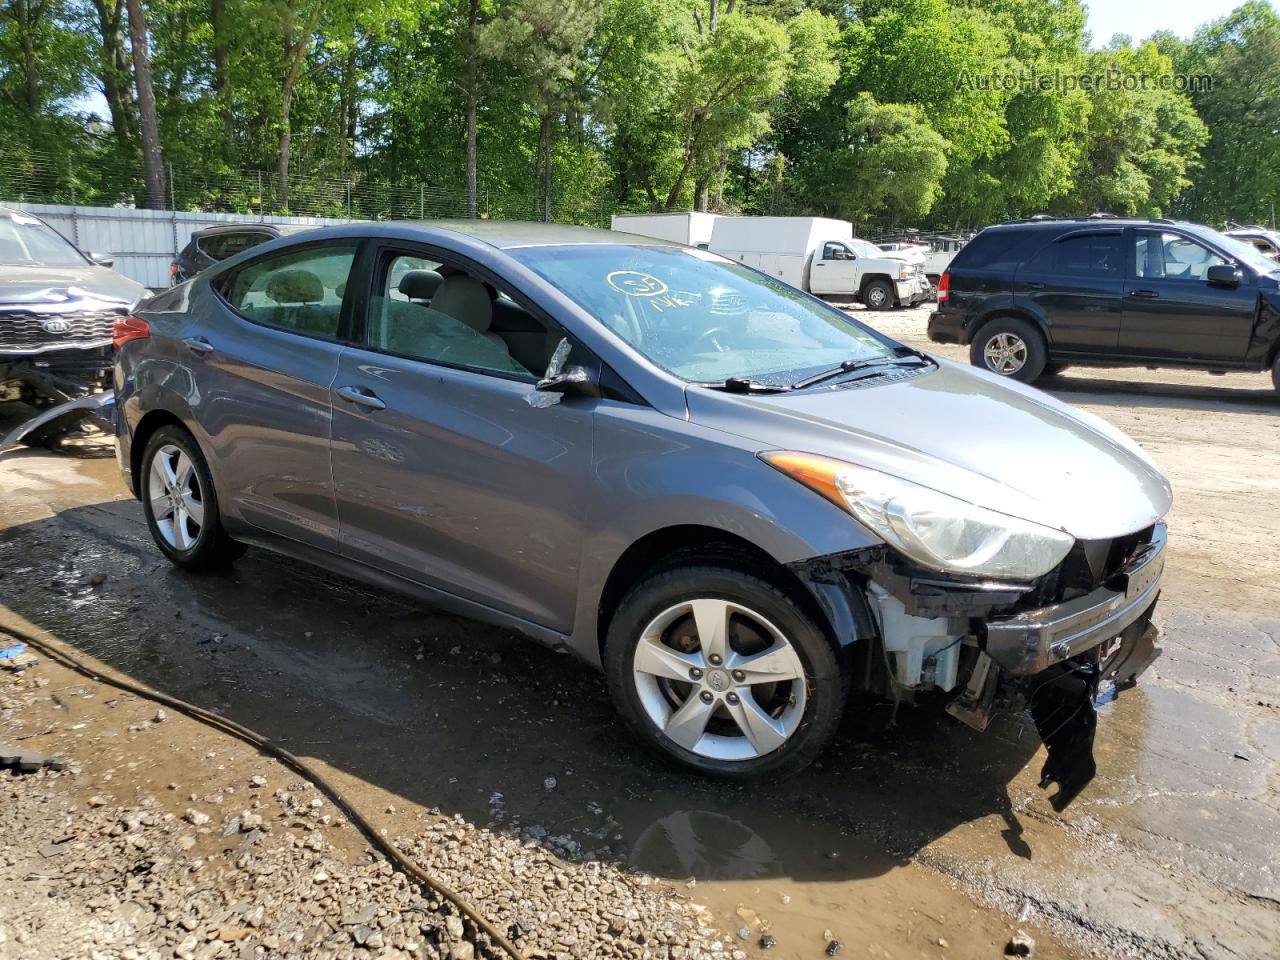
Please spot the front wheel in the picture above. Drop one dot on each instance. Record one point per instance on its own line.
(1275, 372)
(878, 295)
(1010, 347)
(724, 672)
(180, 503)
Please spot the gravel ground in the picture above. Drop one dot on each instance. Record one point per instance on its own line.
(260, 864)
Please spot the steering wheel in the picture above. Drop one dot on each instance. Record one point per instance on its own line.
(709, 337)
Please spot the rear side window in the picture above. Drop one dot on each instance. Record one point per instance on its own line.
(300, 291)
(1082, 254)
(220, 246)
(994, 250)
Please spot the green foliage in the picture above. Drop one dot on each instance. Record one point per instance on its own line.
(1239, 173)
(880, 111)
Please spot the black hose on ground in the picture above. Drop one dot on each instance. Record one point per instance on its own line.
(397, 859)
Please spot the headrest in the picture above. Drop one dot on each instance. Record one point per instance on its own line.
(295, 286)
(420, 284)
(465, 298)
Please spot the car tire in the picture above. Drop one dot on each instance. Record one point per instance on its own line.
(1011, 347)
(660, 670)
(1275, 372)
(878, 295)
(181, 505)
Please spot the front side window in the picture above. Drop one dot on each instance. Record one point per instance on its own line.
(1169, 256)
(439, 313)
(300, 291)
(836, 251)
(702, 317)
(28, 241)
(1086, 254)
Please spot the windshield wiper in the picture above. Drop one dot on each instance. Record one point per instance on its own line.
(851, 366)
(746, 385)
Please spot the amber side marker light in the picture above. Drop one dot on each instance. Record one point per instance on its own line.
(816, 473)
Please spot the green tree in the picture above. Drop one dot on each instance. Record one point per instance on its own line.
(1142, 140)
(1239, 175)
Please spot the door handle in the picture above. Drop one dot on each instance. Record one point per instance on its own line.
(361, 396)
(198, 345)
(1149, 294)
(1034, 284)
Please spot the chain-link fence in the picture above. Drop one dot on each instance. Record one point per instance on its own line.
(33, 177)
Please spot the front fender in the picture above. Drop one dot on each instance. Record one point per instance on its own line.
(653, 472)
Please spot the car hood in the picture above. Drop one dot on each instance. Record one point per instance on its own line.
(36, 287)
(968, 434)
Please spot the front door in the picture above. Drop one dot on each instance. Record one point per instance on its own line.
(834, 270)
(263, 358)
(445, 473)
(1172, 312)
(1076, 284)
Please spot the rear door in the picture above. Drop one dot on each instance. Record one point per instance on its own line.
(444, 472)
(834, 270)
(263, 360)
(1076, 285)
(1171, 312)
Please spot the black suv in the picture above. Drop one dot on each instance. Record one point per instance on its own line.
(1031, 297)
(215, 244)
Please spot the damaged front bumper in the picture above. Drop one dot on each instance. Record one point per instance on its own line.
(1035, 640)
(999, 648)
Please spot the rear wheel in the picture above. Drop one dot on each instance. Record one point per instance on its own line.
(878, 295)
(180, 503)
(723, 672)
(1010, 347)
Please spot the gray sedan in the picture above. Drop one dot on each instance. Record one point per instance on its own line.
(731, 497)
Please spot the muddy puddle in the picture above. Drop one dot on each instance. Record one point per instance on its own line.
(437, 712)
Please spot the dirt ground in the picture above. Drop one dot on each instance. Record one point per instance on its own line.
(917, 839)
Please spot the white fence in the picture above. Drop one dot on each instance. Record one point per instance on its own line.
(143, 242)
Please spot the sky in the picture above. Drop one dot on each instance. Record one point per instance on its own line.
(1141, 18)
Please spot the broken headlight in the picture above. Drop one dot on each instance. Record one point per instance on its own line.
(933, 529)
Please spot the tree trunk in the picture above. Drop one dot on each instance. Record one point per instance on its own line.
(296, 43)
(700, 192)
(114, 70)
(222, 76)
(472, 81)
(27, 26)
(152, 161)
(543, 165)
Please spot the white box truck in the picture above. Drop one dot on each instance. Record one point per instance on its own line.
(822, 257)
(692, 228)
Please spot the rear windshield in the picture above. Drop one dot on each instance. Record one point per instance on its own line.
(997, 250)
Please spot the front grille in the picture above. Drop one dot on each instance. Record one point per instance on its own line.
(1089, 565)
(25, 330)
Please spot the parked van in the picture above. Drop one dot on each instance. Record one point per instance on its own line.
(822, 257)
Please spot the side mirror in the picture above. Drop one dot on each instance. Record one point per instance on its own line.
(103, 259)
(1224, 275)
(563, 379)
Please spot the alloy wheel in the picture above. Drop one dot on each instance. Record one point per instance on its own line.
(719, 680)
(177, 502)
(1005, 353)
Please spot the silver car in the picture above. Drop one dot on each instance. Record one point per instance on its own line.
(735, 500)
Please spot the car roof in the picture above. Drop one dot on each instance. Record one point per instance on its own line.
(279, 229)
(508, 234)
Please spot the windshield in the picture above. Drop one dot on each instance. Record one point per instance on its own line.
(26, 241)
(1246, 253)
(702, 317)
(864, 248)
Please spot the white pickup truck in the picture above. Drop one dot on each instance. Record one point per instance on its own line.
(822, 257)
